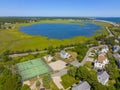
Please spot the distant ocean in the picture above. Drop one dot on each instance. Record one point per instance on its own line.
(112, 19)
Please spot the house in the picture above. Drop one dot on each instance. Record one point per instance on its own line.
(81, 86)
(101, 62)
(116, 48)
(13, 27)
(116, 41)
(103, 77)
(117, 57)
(105, 49)
(118, 37)
(48, 58)
(6, 23)
(64, 54)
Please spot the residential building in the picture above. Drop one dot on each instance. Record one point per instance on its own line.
(81, 86)
(48, 58)
(103, 77)
(101, 62)
(118, 37)
(116, 41)
(64, 54)
(116, 48)
(117, 57)
(105, 49)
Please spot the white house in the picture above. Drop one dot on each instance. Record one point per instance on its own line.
(103, 77)
(64, 54)
(101, 62)
(116, 41)
(105, 49)
(48, 58)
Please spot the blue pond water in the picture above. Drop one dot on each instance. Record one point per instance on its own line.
(112, 19)
(61, 31)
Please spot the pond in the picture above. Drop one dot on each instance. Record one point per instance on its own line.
(61, 31)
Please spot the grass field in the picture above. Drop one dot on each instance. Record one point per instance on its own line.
(32, 68)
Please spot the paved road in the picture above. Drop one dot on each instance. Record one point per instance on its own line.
(110, 34)
(25, 54)
(76, 63)
(60, 73)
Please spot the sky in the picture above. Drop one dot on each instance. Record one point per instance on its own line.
(60, 8)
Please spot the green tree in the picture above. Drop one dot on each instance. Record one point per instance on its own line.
(46, 81)
(81, 50)
(51, 50)
(25, 87)
(54, 59)
(12, 83)
(38, 83)
(72, 71)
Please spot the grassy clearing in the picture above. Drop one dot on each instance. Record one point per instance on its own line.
(68, 81)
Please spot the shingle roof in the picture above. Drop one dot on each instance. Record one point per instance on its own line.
(104, 75)
(116, 56)
(101, 58)
(82, 86)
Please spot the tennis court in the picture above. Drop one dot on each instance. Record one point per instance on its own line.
(32, 68)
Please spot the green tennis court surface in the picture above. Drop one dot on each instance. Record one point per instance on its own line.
(32, 68)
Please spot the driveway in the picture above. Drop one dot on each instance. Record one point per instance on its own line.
(57, 80)
(76, 63)
(60, 73)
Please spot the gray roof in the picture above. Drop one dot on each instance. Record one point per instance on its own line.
(63, 52)
(103, 75)
(82, 86)
(116, 56)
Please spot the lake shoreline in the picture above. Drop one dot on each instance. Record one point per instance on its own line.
(62, 31)
(22, 42)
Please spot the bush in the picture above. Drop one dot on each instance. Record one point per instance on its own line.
(25, 87)
(46, 81)
(54, 59)
(38, 83)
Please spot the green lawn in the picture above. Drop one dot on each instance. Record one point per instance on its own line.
(68, 81)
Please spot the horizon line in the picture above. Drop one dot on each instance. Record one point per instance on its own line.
(69, 16)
